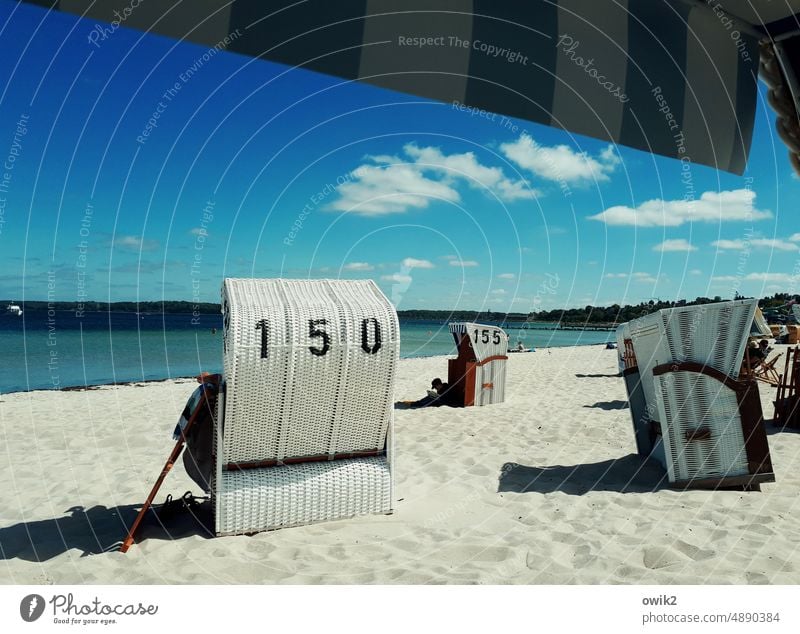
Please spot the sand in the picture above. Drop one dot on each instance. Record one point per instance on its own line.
(545, 488)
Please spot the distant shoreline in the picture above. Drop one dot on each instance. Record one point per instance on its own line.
(206, 308)
(142, 382)
(776, 309)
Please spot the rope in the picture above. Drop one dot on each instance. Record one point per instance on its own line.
(780, 99)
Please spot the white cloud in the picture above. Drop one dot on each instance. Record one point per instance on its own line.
(391, 184)
(560, 162)
(397, 278)
(468, 167)
(795, 237)
(695, 272)
(725, 206)
(678, 244)
(376, 190)
(779, 278)
(358, 266)
(728, 244)
(775, 244)
(645, 278)
(463, 263)
(499, 291)
(135, 243)
(506, 276)
(413, 263)
(758, 243)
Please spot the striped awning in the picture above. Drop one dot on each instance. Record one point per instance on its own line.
(671, 77)
(458, 328)
(487, 341)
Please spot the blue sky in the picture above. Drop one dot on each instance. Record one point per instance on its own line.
(256, 169)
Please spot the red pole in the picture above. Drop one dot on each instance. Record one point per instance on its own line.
(173, 457)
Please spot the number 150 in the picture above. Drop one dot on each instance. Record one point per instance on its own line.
(316, 330)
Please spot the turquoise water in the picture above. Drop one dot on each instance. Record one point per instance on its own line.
(41, 351)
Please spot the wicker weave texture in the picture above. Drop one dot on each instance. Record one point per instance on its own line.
(309, 367)
(711, 334)
(490, 382)
(253, 500)
(692, 401)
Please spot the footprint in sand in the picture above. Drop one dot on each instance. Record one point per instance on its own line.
(480, 470)
(476, 553)
(678, 552)
(756, 578)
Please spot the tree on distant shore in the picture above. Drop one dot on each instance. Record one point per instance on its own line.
(615, 313)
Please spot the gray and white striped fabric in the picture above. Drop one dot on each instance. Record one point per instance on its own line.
(665, 76)
(486, 341)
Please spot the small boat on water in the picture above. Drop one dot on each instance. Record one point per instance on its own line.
(13, 309)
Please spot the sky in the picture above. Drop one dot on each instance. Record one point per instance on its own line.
(147, 169)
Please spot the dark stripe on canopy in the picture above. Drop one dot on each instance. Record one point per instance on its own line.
(526, 74)
(512, 88)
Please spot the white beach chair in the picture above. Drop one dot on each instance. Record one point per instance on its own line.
(759, 328)
(478, 375)
(710, 424)
(302, 416)
(304, 420)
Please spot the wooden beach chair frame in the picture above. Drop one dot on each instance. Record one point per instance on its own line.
(206, 405)
(764, 371)
(787, 398)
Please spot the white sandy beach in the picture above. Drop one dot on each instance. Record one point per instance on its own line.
(545, 488)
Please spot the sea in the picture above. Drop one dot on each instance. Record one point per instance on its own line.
(61, 350)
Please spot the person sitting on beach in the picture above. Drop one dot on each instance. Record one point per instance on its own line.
(756, 354)
(435, 396)
(764, 346)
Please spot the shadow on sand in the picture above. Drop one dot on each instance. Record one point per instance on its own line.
(598, 376)
(97, 530)
(609, 405)
(631, 474)
(773, 428)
